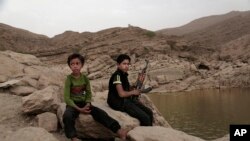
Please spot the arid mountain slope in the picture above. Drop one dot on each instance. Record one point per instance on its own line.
(200, 23)
(215, 37)
(20, 40)
(131, 40)
(208, 35)
(222, 32)
(236, 50)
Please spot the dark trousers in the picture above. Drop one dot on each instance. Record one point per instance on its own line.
(99, 115)
(137, 110)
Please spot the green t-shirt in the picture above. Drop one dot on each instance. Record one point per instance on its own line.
(77, 89)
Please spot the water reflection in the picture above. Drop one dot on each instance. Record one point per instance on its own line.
(205, 113)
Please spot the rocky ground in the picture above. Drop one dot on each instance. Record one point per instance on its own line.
(12, 117)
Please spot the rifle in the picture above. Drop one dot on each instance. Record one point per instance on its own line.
(140, 80)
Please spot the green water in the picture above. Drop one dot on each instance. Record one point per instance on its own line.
(204, 113)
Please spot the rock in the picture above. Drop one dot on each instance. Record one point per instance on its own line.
(45, 76)
(87, 127)
(99, 85)
(26, 59)
(54, 78)
(11, 67)
(47, 121)
(99, 64)
(153, 84)
(167, 75)
(225, 138)
(22, 90)
(31, 134)
(9, 83)
(95, 75)
(157, 133)
(3, 78)
(42, 101)
(31, 81)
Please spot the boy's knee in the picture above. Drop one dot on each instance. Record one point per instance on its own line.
(98, 111)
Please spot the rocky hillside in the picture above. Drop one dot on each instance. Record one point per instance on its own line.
(222, 32)
(214, 37)
(198, 56)
(21, 40)
(203, 39)
(200, 23)
(131, 40)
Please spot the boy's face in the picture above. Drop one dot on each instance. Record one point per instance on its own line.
(76, 66)
(124, 65)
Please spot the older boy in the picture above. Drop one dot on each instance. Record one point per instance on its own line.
(120, 95)
(77, 95)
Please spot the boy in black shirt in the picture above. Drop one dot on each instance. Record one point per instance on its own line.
(120, 95)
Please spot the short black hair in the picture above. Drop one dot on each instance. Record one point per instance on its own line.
(76, 55)
(122, 57)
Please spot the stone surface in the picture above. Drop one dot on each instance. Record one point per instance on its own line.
(41, 101)
(22, 90)
(47, 121)
(157, 133)
(31, 134)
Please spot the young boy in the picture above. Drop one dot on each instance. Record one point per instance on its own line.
(120, 95)
(77, 95)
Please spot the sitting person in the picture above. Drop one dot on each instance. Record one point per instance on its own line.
(77, 95)
(120, 97)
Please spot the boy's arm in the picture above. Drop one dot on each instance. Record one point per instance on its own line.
(122, 93)
(67, 98)
(88, 90)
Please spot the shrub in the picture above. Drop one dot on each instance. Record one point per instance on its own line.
(150, 34)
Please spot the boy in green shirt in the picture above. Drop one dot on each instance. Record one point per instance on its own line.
(77, 95)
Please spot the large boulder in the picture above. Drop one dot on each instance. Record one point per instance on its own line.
(10, 67)
(87, 127)
(42, 101)
(45, 76)
(22, 90)
(26, 59)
